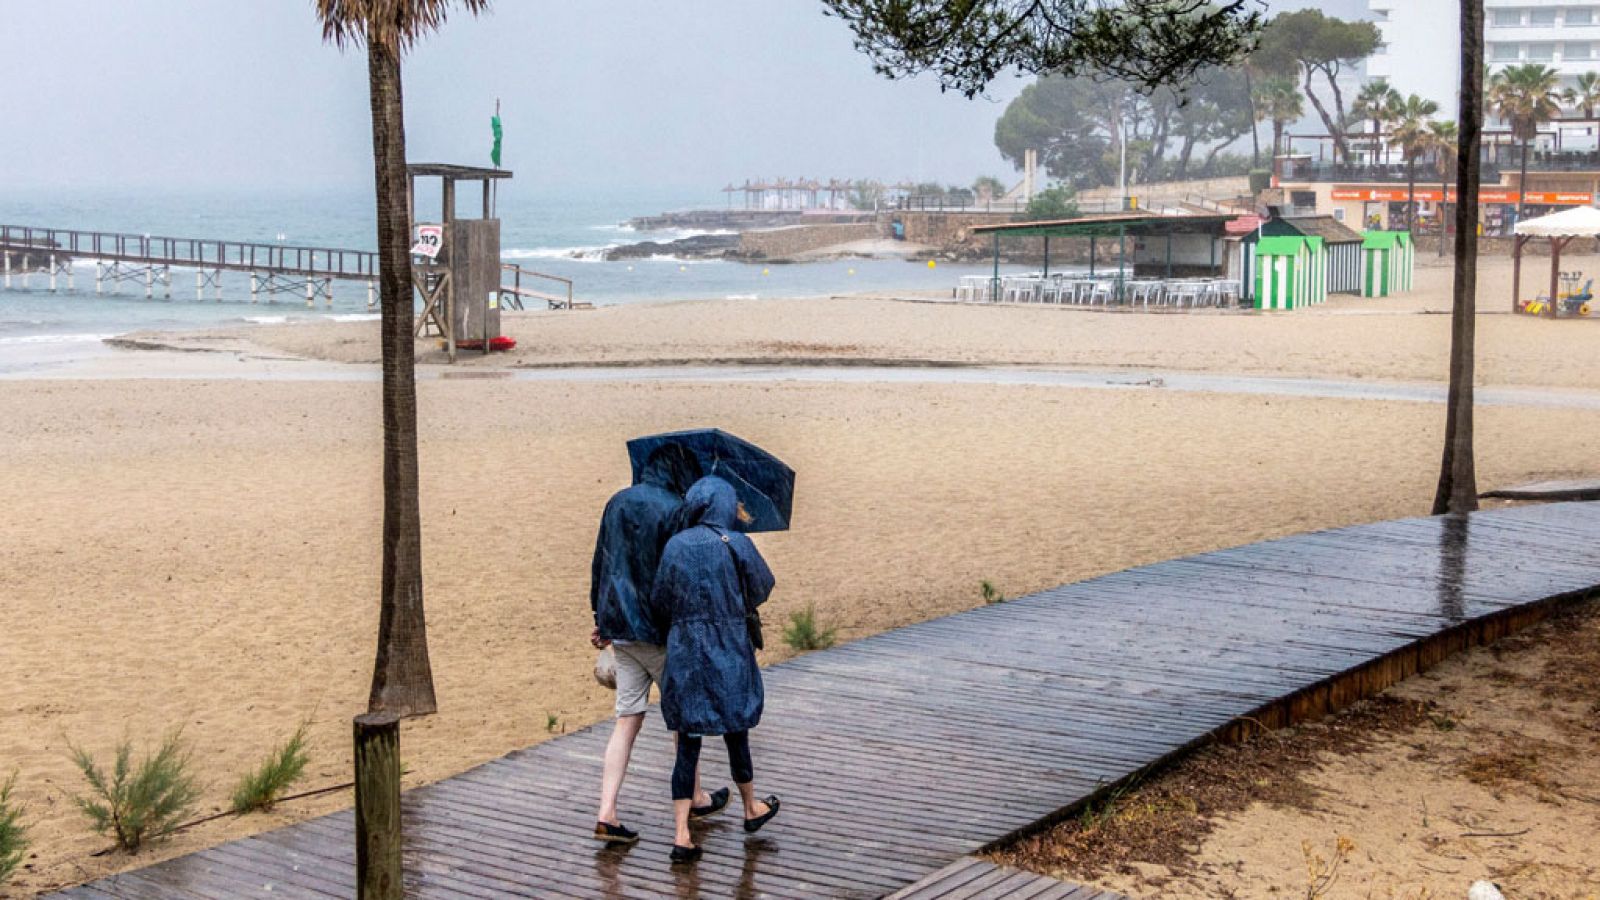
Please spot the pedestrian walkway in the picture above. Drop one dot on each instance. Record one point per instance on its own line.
(900, 754)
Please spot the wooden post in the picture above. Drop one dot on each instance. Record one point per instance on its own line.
(1047, 256)
(1516, 269)
(377, 756)
(1556, 245)
(994, 278)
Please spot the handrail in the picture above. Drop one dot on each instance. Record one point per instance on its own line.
(517, 289)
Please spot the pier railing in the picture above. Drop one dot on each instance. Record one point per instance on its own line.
(198, 253)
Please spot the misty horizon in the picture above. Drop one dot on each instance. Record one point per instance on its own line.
(194, 96)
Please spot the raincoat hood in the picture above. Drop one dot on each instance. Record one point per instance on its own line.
(712, 502)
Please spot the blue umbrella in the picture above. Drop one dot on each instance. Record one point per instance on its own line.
(765, 485)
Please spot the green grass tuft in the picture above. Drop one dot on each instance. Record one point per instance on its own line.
(991, 594)
(803, 633)
(261, 789)
(13, 836)
(138, 803)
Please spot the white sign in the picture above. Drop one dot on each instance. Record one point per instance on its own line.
(430, 238)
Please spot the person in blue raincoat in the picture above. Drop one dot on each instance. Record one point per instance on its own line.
(634, 529)
(710, 582)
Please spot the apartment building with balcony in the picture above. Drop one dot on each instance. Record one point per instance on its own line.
(1420, 55)
(1421, 41)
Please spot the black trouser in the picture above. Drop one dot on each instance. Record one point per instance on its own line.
(689, 760)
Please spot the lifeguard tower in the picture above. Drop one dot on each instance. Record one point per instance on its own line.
(455, 262)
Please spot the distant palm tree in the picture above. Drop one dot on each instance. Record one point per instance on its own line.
(1411, 134)
(402, 678)
(1441, 142)
(1278, 101)
(1376, 103)
(1526, 97)
(1585, 94)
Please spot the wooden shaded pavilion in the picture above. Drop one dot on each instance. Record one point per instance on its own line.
(1118, 226)
(1560, 228)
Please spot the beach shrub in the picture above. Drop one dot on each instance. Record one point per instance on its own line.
(13, 836)
(991, 594)
(804, 635)
(552, 723)
(138, 803)
(1260, 180)
(264, 787)
(1057, 201)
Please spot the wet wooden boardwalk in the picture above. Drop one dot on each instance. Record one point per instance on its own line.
(900, 754)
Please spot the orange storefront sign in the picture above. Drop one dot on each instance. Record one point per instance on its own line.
(1487, 195)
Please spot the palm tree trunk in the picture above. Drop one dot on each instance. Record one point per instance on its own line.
(1411, 194)
(402, 679)
(1444, 197)
(1458, 480)
(1522, 180)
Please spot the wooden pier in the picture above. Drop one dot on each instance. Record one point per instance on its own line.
(149, 260)
(901, 754)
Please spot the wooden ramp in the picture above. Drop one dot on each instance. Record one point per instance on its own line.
(899, 754)
(1547, 491)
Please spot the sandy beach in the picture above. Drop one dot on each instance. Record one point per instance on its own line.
(203, 551)
(1400, 338)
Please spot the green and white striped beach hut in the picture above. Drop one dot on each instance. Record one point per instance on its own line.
(1287, 273)
(1319, 269)
(1387, 260)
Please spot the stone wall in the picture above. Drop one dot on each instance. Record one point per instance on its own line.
(788, 243)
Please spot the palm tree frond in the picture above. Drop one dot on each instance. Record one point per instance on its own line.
(394, 23)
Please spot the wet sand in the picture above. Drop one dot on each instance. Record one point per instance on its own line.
(1401, 338)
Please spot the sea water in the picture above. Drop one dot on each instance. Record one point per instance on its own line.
(557, 232)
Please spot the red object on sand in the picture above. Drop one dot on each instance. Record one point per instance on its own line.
(496, 343)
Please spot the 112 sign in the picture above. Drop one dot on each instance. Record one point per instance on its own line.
(430, 238)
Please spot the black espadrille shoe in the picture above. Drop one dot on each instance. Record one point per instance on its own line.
(719, 802)
(685, 855)
(614, 834)
(751, 826)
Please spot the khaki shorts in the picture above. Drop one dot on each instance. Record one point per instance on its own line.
(638, 667)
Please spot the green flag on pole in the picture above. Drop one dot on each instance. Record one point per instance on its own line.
(494, 154)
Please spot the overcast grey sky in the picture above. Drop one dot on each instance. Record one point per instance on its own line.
(689, 93)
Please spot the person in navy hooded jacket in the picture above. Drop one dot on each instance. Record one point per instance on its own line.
(707, 589)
